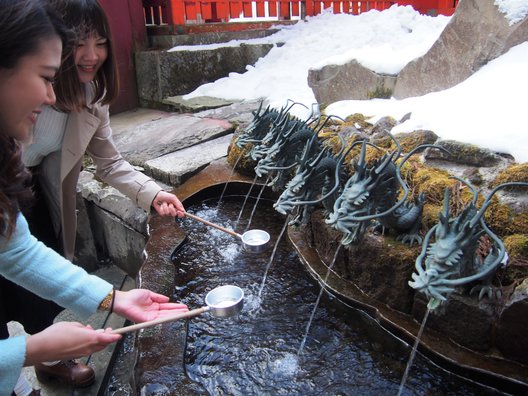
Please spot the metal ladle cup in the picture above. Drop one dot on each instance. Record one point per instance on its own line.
(222, 302)
(253, 240)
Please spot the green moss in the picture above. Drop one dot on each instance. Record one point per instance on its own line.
(239, 157)
(498, 217)
(517, 269)
(517, 246)
(359, 119)
(432, 182)
(520, 223)
(514, 173)
(430, 215)
(465, 151)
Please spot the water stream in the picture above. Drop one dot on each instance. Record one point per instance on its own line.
(346, 352)
(230, 178)
(255, 205)
(413, 353)
(263, 283)
(245, 201)
(307, 331)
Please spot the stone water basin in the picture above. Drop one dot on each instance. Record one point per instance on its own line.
(346, 352)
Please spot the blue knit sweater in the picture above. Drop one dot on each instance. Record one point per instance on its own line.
(29, 263)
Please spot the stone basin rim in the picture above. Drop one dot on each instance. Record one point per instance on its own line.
(406, 329)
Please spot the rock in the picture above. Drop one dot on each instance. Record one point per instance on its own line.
(511, 330)
(177, 167)
(114, 229)
(476, 34)
(368, 264)
(463, 153)
(333, 83)
(467, 321)
(166, 135)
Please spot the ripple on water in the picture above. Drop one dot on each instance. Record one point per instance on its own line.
(286, 366)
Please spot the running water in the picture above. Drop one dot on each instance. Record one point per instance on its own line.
(255, 205)
(413, 352)
(228, 180)
(255, 353)
(301, 347)
(272, 256)
(245, 200)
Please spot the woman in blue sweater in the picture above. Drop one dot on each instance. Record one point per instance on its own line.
(31, 40)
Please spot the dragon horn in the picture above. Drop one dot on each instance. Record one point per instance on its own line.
(489, 268)
(337, 180)
(443, 216)
(419, 259)
(318, 158)
(328, 119)
(394, 154)
(394, 207)
(260, 107)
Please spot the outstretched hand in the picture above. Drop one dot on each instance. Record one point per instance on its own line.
(141, 305)
(167, 204)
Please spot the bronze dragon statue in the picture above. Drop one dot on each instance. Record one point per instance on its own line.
(317, 180)
(451, 260)
(371, 195)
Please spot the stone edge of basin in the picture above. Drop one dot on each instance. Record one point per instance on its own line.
(496, 373)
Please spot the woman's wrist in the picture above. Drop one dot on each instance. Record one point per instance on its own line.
(108, 302)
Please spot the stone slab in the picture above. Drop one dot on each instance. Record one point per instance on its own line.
(140, 143)
(196, 104)
(177, 167)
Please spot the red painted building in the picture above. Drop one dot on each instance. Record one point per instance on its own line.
(127, 23)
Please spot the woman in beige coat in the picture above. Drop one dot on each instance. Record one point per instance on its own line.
(79, 123)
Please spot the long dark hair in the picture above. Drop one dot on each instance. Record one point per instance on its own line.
(24, 24)
(85, 17)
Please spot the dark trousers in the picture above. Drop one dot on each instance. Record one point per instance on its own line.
(17, 303)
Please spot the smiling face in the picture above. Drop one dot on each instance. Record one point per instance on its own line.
(27, 86)
(90, 54)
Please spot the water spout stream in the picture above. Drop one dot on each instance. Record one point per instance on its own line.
(303, 342)
(413, 352)
(233, 170)
(245, 200)
(255, 205)
(271, 257)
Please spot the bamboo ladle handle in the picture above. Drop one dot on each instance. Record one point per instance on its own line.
(230, 232)
(163, 319)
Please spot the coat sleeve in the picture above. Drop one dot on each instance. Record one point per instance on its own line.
(114, 170)
(30, 264)
(12, 357)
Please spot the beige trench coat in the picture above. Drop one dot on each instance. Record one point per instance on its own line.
(89, 131)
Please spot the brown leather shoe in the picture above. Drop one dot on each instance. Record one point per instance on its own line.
(66, 371)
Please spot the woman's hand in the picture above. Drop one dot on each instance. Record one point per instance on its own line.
(66, 340)
(141, 305)
(167, 204)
